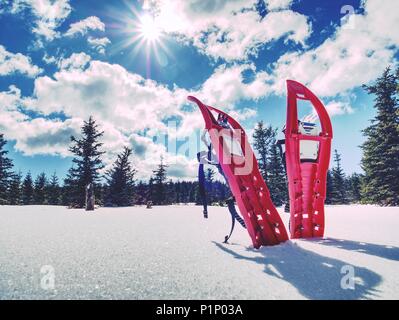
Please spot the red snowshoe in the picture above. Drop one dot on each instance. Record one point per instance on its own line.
(240, 168)
(307, 159)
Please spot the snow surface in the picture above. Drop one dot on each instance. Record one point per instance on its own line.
(173, 253)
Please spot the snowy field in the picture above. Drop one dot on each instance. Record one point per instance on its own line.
(173, 253)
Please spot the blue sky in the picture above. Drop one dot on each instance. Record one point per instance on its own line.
(131, 65)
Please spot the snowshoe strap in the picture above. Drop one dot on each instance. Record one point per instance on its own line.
(201, 187)
(234, 216)
(202, 191)
(202, 180)
(232, 209)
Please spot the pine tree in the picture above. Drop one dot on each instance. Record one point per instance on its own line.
(380, 160)
(339, 194)
(86, 163)
(193, 193)
(329, 188)
(354, 186)
(221, 192)
(185, 191)
(100, 194)
(27, 190)
(14, 192)
(270, 163)
(6, 166)
(39, 190)
(159, 184)
(178, 192)
(263, 139)
(277, 178)
(171, 196)
(120, 179)
(53, 190)
(141, 193)
(69, 193)
(150, 190)
(209, 185)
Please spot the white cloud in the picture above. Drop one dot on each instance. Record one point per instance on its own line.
(335, 108)
(223, 89)
(125, 105)
(33, 136)
(40, 135)
(147, 156)
(10, 116)
(75, 61)
(110, 93)
(244, 114)
(227, 85)
(99, 44)
(11, 63)
(98, 41)
(47, 136)
(350, 58)
(83, 26)
(48, 15)
(49, 59)
(231, 30)
(246, 32)
(278, 4)
(9, 100)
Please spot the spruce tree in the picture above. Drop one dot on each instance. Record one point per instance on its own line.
(263, 139)
(185, 191)
(100, 194)
(69, 192)
(277, 178)
(171, 196)
(339, 194)
(39, 190)
(6, 166)
(221, 192)
(15, 191)
(141, 193)
(150, 190)
(354, 187)
(329, 188)
(209, 185)
(27, 190)
(193, 193)
(380, 160)
(270, 163)
(86, 163)
(53, 190)
(120, 181)
(178, 192)
(159, 196)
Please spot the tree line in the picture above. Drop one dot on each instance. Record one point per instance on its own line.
(116, 188)
(119, 186)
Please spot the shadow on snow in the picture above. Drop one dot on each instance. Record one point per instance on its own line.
(313, 275)
(378, 250)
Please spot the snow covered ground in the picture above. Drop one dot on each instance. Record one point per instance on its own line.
(173, 253)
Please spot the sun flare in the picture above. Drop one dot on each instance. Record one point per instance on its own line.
(149, 29)
(144, 34)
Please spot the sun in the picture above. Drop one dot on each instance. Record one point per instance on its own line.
(148, 29)
(143, 34)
